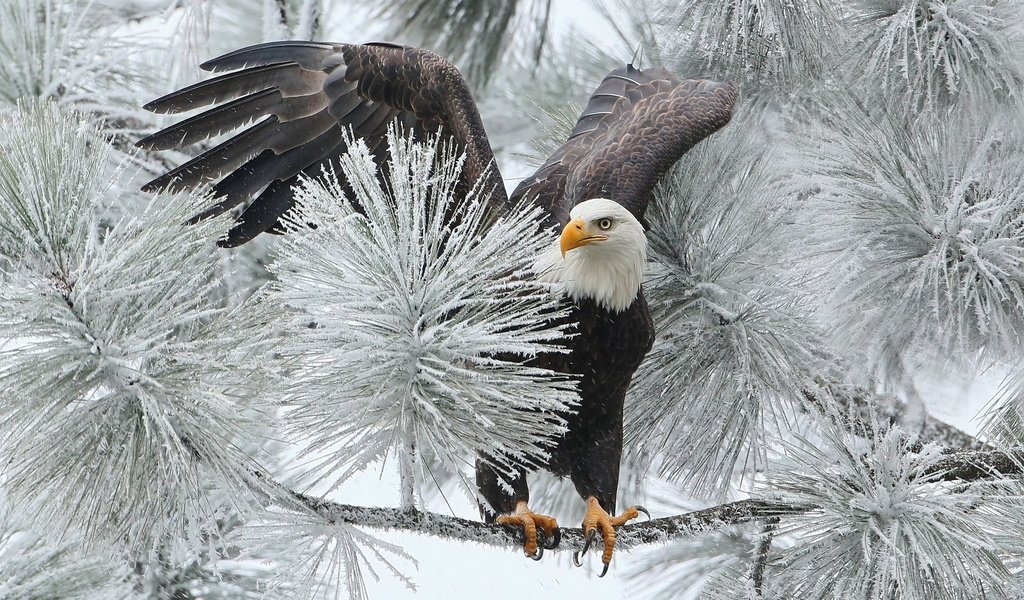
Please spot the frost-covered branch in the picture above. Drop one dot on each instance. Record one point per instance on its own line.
(919, 215)
(68, 53)
(113, 351)
(933, 52)
(662, 529)
(966, 466)
(734, 343)
(771, 43)
(425, 313)
(973, 465)
(858, 406)
(888, 515)
(33, 566)
(761, 555)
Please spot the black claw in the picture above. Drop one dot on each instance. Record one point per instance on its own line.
(643, 510)
(539, 554)
(591, 536)
(576, 558)
(552, 542)
(604, 571)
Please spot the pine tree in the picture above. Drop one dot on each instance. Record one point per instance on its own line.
(176, 418)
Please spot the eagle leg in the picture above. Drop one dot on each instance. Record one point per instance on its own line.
(530, 522)
(598, 521)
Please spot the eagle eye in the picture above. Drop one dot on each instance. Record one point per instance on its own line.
(604, 224)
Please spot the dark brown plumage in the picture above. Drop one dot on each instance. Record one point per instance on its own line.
(303, 95)
(636, 125)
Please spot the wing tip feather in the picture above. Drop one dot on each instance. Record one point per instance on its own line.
(162, 105)
(236, 58)
(154, 187)
(151, 142)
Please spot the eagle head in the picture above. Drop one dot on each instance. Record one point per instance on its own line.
(600, 255)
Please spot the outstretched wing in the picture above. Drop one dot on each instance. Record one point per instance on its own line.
(301, 97)
(635, 127)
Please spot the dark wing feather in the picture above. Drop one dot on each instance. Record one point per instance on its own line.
(309, 55)
(636, 125)
(302, 96)
(232, 115)
(289, 78)
(247, 180)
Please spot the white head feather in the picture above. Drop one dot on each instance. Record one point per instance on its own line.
(601, 255)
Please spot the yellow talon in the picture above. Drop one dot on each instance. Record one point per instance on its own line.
(597, 521)
(530, 521)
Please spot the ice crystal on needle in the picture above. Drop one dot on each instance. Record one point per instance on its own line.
(124, 395)
(886, 526)
(414, 316)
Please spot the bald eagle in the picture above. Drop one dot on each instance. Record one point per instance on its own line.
(303, 96)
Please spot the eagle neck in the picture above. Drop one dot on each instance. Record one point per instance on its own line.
(610, 277)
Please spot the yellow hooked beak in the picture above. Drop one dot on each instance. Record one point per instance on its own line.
(576, 234)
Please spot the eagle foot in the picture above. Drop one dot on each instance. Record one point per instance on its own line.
(531, 522)
(598, 521)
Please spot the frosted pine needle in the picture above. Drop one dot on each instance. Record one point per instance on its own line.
(67, 52)
(922, 216)
(319, 559)
(885, 527)
(686, 566)
(126, 389)
(32, 566)
(413, 319)
(762, 40)
(54, 179)
(935, 51)
(734, 345)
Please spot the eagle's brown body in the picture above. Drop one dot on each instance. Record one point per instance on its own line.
(305, 95)
(590, 452)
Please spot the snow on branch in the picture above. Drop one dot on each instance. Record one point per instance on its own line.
(968, 485)
(735, 344)
(888, 513)
(855, 406)
(69, 53)
(966, 466)
(920, 214)
(658, 530)
(935, 51)
(769, 42)
(34, 566)
(54, 177)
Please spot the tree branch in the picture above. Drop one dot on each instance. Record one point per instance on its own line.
(663, 529)
(659, 530)
(973, 465)
(859, 407)
(960, 466)
(761, 555)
